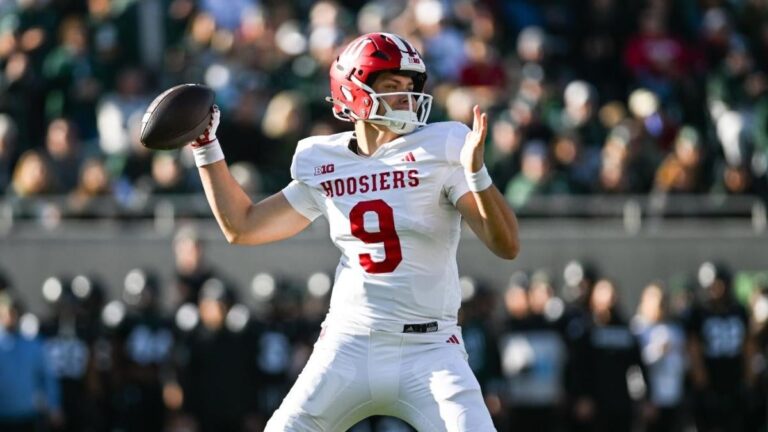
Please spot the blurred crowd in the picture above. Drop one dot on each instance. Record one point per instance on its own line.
(586, 97)
(553, 351)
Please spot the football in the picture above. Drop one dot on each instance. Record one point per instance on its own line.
(177, 116)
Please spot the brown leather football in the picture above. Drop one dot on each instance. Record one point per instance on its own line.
(176, 117)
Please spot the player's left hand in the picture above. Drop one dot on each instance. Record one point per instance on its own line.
(472, 154)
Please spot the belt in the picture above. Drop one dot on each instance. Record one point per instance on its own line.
(420, 328)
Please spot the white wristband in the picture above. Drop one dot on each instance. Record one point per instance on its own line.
(478, 181)
(208, 154)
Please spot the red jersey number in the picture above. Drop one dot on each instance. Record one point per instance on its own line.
(386, 235)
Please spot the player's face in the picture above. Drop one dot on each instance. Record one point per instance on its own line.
(389, 82)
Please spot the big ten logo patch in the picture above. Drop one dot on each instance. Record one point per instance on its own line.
(324, 169)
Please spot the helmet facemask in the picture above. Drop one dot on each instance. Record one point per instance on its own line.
(398, 121)
(401, 121)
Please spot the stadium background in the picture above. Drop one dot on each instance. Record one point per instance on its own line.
(631, 136)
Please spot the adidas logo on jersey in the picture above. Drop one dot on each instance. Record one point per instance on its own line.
(453, 340)
(409, 158)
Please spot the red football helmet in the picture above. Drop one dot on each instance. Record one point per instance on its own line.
(353, 72)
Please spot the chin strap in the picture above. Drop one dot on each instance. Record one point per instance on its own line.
(406, 126)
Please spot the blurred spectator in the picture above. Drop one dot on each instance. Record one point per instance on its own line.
(614, 177)
(243, 125)
(656, 58)
(532, 355)
(526, 112)
(578, 164)
(117, 110)
(35, 26)
(458, 103)
(477, 311)
(738, 180)
(21, 96)
(108, 50)
(32, 176)
(716, 34)
(532, 46)
(610, 372)
(475, 318)
(168, 176)
(29, 393)
(682, 171)
(736, 82)
(483, 71)
(283, 123)
(580, 114)
(578, 277)
(443, 47)
(662, 344)
(75, 350)
(627, 161)
(143, 343)
(93, 195)
(656, 129)
(69, 70)
(536, 177)
(314, 307)
(281, 337)
(717, 329)
(65, 153)
(506, 142)
(218, 372)
(130, 169)
(126, 34)
(192, 269)
(248, 177)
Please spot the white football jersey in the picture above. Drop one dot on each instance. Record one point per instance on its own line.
(392, 215)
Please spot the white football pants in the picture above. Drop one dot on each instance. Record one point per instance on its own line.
(422, 378)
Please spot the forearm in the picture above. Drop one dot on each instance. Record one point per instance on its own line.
(498, 228)
(487, 212)
(229, 203)
(241, 221)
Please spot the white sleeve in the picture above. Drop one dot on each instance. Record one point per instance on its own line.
(299, 195)
(456, 183)
(297, 192)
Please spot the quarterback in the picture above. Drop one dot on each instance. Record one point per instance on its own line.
(394, 191)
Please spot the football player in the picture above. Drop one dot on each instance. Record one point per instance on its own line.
(394, 191)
